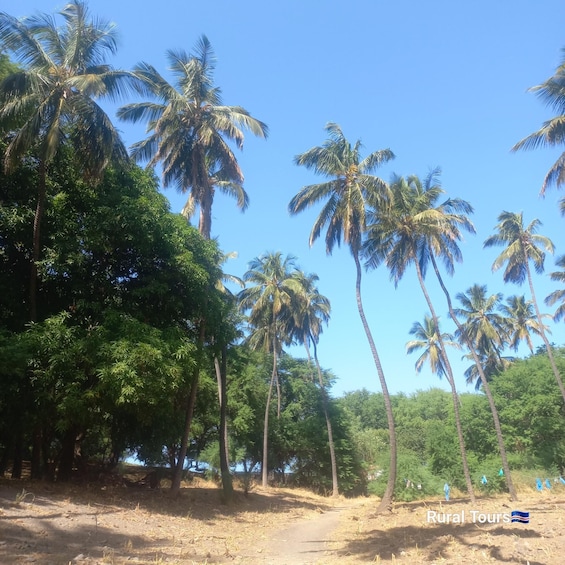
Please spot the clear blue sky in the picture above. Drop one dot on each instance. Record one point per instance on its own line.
(441, 83)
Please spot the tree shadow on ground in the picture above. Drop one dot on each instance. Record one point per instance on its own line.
(59, 544)
(200, 503)
(390, 537)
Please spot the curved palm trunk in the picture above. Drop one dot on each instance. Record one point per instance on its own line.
(486, 387)
(221, 376)
(264, 467)
(325, 404)
(548, 347)
(177, 477)
(451, 382)
(386, 502)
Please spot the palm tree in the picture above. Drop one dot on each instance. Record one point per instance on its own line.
(51, 101)
(522, 245)
(399, 234)
(189, 133)
(558, 295)
(427, 338)
(520, 321)
(482, 324)
(190, 129)
(345, 198)
(485, 329)
(269, 302)
(311, 312)
(552, 133)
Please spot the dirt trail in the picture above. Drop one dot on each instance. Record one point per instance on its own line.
(307, 542)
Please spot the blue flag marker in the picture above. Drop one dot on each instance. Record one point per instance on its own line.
(539, 484)
(484, 480)
(547, 483)
(501, 472)
(446, 491)
(522, 517)
(562, 480)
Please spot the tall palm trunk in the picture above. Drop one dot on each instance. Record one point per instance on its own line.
(486, 387)
(189, 413)
(451, 382)
(265, 465)
(548, 347)
(386, 502)
(221, 375)
(325, 404)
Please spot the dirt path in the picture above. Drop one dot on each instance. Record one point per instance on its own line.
(304, 542)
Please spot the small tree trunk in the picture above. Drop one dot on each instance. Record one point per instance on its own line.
(35, 462)
(264, 467)
(66, 460)
(325, 403)
(177, 477)
(18, 453)
(221, 376)
(386, 502)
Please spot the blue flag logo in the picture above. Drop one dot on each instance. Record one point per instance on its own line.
(523, 517)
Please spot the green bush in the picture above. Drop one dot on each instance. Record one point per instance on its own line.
(422, 483)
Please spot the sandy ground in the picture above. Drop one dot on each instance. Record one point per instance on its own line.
(80, 525)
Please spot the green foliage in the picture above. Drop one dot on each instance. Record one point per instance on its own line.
(531, 409)
(410, 468)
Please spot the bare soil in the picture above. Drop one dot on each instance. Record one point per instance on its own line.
(114, 525)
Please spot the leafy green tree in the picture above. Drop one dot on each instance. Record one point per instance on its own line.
(399, 234)
(552, 133)
(52, 100)
(522, 245)
(345, 198)
(190, 129)
(532, 409)
(110, 248)
(269, 301)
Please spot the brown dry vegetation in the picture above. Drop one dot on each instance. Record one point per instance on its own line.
(95, 524)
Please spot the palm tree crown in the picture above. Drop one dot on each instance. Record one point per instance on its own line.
(482, 324)
(523, 245)
(190, 129)
(558, 295)
(552, 132)
(427, 338)
(51, 101)
(520, 321)
(311, 311)
(348, 191)
(411, 225)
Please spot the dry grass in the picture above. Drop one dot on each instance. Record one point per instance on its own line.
(112, 525)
